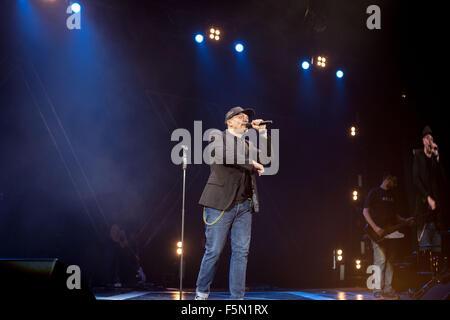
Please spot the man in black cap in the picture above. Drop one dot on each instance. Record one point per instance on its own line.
(229, 199)
(428, 179)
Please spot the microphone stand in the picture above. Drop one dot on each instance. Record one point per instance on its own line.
(182, 220)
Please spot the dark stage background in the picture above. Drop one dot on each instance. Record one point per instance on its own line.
(87, 116)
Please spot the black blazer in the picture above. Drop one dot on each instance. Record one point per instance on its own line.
(427, 182)
(226, 173)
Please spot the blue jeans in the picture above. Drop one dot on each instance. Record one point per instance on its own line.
(239, 220)
(382, 257)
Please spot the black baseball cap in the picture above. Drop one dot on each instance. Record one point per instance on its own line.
(388, 174)
(236, 110)
(426, 130)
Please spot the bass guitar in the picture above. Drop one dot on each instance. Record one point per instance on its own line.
(391, 232)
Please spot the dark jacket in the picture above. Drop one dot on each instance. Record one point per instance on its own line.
(228, 170)
(428, 181)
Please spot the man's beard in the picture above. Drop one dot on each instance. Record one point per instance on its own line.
(242, 128)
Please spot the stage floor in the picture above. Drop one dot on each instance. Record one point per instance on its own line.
(189, 294)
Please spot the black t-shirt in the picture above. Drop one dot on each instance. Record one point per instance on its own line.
(382, 207)
(245, 184)
(245, 188)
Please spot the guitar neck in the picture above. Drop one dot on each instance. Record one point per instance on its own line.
(393, 228)
(396, 227)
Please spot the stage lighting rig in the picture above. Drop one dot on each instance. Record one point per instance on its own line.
(358, 264)
(339, 253)
(214, 34)
(355, 195)
(179, 247)
(199, 38)
(305, 65)
(338, 263)
(239, 47)
(321, 61)
(338, 257)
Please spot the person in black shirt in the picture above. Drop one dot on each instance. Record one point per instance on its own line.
(428, 178)
(380, 211)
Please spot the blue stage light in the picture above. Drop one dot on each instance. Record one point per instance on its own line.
(239, 47)
(199, 38)
(75, 7)
(305, 65)
(339, 74)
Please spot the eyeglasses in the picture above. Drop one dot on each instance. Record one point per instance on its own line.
(241, 116)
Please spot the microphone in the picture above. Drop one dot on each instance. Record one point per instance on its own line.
(249, 125)
(185, 148)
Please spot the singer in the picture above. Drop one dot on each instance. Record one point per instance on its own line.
(428, 178)
(229, 199)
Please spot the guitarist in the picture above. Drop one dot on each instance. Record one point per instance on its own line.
(380, 212)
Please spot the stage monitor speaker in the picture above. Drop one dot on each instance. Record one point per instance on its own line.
(40, 279)
(438, 292)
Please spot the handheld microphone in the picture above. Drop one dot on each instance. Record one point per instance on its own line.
(249, 125)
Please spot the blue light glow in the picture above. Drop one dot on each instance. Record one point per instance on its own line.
(305, 65)
(199, 38)
(239, 47)
(76, 7)
(339, 74)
